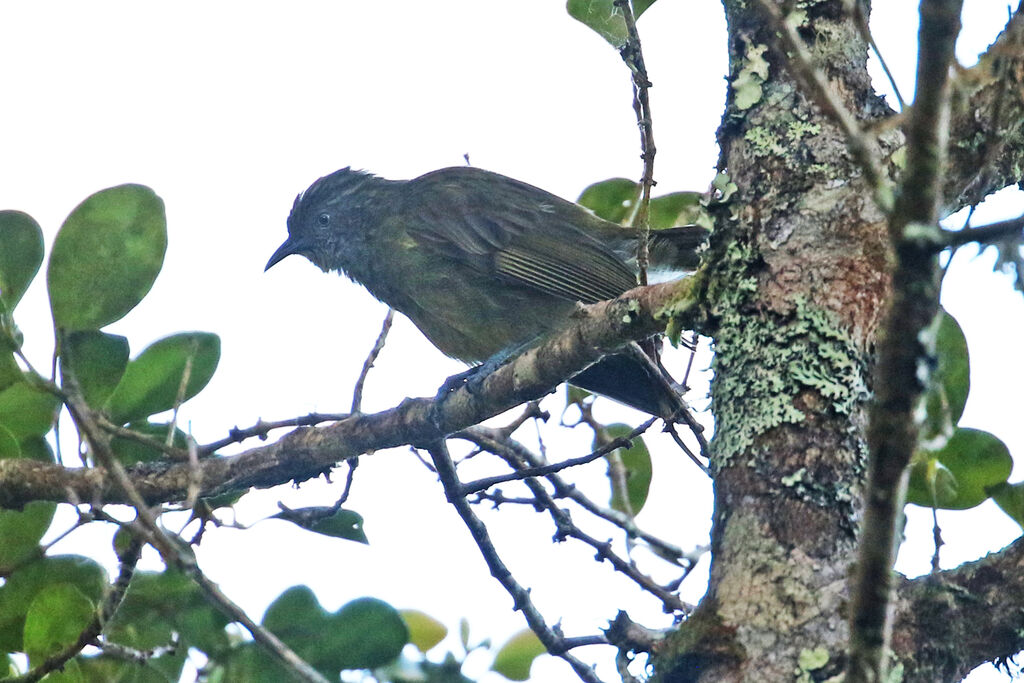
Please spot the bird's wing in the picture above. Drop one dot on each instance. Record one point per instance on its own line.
(517, 231)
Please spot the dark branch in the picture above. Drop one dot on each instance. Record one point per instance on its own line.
(1011, 229)
(554, 643)
(987, 120)
(892, 431)
(951, 622)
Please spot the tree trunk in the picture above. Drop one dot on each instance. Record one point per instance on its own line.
(800, 281)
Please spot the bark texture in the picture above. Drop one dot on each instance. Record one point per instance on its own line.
(800, 280)
(798, 288)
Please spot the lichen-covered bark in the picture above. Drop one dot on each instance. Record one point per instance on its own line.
(797, 291)
(987, 122)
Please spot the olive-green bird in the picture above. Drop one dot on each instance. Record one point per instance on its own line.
(483, 264)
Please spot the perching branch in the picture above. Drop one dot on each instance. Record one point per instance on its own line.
(307, 452)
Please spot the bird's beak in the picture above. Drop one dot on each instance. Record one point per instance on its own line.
(287, 249)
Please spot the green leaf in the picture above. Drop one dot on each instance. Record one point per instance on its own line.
(21, 253)
(612, 200)
(21, 588)
(246, 663)
(98, 361)
(108, 669)
(54, 621)
(106, 257)
(21, 531)
(363, 634)
(27, 410)
(975, 461)
(1010, 497)
(36, 448)
(605, 18)
(9, 447)
(677, 208)
(637, 469)
(130, 451)
(951, 380)
(515, 657)
(159, 603)
(345, 524)
(424, 630)
(152, 381)
(10, 373)
(574, 395)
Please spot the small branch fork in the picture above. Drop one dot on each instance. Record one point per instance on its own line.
(519, 458)
(553, 642)
(171, 551)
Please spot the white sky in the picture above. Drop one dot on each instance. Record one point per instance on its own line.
(228, 110)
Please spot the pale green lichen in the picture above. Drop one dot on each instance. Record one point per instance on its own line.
(764, 362)
(798, 130)
(747, 84)
(795, 478)
(809, 661)
(764, 142)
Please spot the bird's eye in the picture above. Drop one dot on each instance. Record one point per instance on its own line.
(324, 219)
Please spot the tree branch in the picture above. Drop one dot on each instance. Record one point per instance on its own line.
(948, 624)
(987, 120)
(308, 452)
(552, 641)
(892, 431)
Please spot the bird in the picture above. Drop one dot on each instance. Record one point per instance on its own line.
(485, 265)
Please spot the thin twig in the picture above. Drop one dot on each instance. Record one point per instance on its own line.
(858, 8)
(513, 452)
(1000, 231)
(179, 398)
(554, 643)
(171, 553)
(632, 54)
(515, 456)
(371, 358)
(533, 472)
(261, 429)
(130, 654)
